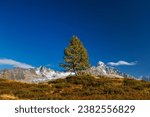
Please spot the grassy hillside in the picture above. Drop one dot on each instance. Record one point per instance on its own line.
(81, 87)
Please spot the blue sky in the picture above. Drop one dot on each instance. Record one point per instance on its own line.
(36, 32)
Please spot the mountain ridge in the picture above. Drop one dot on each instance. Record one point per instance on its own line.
(43, 73)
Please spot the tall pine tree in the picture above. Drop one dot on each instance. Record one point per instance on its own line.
(75, 56)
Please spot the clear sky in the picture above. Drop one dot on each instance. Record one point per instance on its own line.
(36, 32)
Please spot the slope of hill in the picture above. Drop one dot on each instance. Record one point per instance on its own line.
(81, 87)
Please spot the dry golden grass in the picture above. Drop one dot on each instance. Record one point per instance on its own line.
(8, 97)
(77, 88)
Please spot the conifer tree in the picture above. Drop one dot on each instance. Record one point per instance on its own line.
(75, 56)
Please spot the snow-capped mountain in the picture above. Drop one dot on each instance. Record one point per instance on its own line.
(45, 74)
(49, 74)
(33, 74)
(102, 69)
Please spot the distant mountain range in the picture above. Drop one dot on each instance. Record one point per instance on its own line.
(146, 78)
(32, 74)
(44, 74)
(102, 69)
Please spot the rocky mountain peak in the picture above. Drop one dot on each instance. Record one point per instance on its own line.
(42, 68)
(101, 64)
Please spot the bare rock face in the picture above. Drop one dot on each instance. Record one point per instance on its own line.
(18, 74)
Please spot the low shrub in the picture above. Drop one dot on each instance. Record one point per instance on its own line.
(77, 87)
